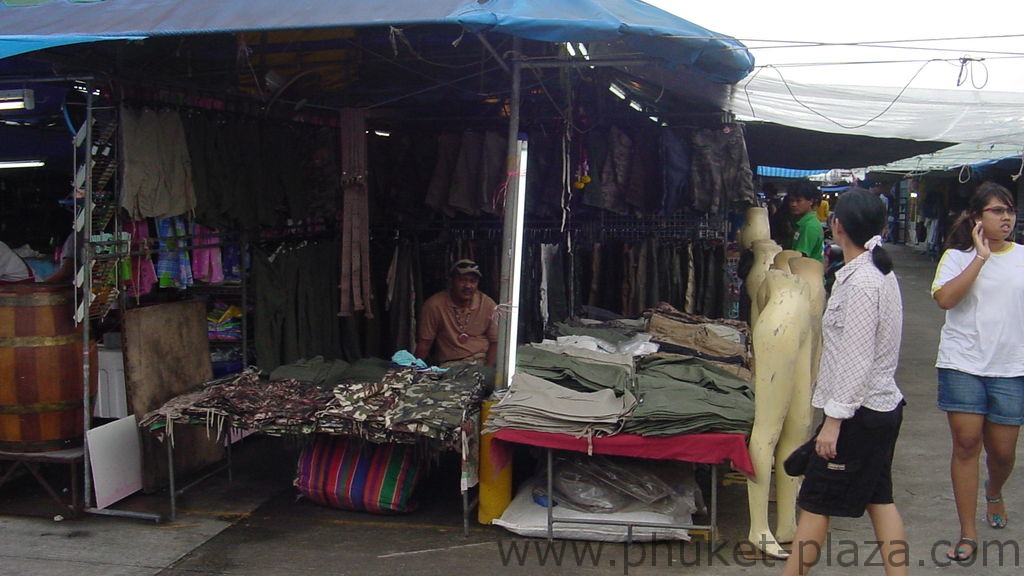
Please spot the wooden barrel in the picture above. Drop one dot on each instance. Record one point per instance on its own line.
(40, 369)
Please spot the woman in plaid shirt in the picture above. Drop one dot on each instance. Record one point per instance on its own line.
(850, 471)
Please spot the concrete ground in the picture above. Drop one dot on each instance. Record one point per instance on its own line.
(254, 526)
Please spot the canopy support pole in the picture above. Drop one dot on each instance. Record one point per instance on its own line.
(512, 230)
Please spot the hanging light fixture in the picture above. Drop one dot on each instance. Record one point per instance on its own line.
(11, 164)
(22, 99)
(617, 90)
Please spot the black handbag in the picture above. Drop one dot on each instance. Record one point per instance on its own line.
(797, 462)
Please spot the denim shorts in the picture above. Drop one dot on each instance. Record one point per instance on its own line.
(1001, 400)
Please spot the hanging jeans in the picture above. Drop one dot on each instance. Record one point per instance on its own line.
(554, 272)
(675, 160)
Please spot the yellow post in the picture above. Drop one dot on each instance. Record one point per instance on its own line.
(495, 485)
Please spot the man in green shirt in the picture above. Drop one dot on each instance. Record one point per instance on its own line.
(808, 237)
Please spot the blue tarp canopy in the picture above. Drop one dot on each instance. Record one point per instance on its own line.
(776, 172)
(28, 25)
(836, 189)
(15, 45)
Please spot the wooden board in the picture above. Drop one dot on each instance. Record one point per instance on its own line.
(166, 353)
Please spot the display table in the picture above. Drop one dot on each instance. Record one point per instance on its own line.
(706, 448)
(72, 457)
(446, 416)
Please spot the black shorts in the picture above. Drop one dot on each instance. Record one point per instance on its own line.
(861, 472)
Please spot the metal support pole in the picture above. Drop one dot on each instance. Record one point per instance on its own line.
(86, 250)
(714, 504)
(550, 496)
(511, 226)
(86, 290)
(170, 477)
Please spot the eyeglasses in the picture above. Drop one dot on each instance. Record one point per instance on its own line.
(1000, 211)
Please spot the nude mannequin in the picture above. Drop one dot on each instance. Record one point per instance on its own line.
(800, 410)
(783, 347)
(813, 272)
(783, 258)
(764, 254)
(755, 227)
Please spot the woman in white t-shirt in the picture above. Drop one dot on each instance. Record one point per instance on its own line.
(980, 284)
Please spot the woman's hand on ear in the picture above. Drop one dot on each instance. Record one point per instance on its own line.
(981, 247)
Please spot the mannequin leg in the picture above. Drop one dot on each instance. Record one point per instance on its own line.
(768, 419)
(795, 431)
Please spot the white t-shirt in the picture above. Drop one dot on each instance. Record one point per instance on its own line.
(12, 267)
(984, 333)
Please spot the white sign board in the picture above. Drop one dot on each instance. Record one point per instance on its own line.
(115, 455)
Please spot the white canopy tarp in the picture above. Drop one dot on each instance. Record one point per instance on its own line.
(954, 157)
(963, 69)
(968, 116)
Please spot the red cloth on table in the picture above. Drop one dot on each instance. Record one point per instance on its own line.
(705, 448)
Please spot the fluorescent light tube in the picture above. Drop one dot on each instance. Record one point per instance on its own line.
(17, 99)
(22, 164)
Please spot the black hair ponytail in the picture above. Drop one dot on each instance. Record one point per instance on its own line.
(862, 215)
(882, 259)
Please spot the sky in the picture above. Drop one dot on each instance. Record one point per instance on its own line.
(916, 44)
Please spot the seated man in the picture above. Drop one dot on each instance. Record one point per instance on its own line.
(458, 324)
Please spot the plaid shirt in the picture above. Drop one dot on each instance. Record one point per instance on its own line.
(861, 332)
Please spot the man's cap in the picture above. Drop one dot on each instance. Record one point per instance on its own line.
(465, 267)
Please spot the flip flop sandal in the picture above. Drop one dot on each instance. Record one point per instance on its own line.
(997, 521)
(963, 551)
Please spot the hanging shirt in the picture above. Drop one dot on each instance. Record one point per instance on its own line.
(982, 333)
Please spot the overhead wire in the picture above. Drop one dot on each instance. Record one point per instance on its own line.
(781, 43)
(967, 70)
(970, 68)
(823, 116)
(955, 60)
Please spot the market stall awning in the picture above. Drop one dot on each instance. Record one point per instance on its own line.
(15, 45)
(654, 32)
(977, 156)
(771, 144)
